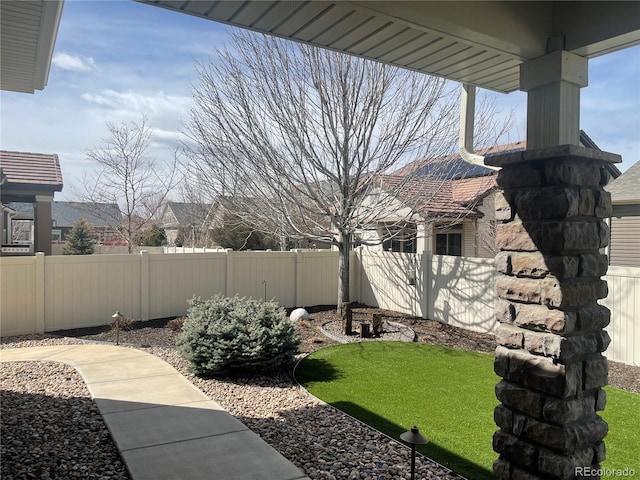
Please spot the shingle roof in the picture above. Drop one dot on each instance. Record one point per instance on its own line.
(189, 213)
(470, 190)
(430, 197)
(625, 188)
(31, 168)
(67, 214)
(454, 167)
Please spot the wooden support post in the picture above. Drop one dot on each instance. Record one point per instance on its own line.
(376, 320)
(347, 319)
(365, 330)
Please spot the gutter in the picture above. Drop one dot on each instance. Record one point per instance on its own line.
(467, 115)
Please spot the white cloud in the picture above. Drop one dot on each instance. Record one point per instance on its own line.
(139, 102)
(71, 62)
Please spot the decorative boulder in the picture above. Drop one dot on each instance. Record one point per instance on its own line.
(299, 313)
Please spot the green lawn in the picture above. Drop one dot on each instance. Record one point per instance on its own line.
(447, 393)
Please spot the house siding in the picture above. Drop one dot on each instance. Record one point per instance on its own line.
(468, 239)
(624, 250)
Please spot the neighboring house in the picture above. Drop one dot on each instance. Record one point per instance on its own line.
(443, 216)
(103, 218)
(624, 243)
(186, 223)
(31, 178)
(445, 206)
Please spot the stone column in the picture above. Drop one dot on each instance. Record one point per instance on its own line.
(550, 338)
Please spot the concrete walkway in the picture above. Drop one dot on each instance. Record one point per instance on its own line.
(163, 426)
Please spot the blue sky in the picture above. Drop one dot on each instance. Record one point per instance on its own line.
(116, 60)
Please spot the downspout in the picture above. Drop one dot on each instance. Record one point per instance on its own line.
(467, 115)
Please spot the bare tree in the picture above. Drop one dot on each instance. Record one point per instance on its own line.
(297, 139)
(129, 176)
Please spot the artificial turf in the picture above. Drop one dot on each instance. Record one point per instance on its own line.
(447, 393)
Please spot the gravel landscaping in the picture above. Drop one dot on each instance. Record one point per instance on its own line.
(51, 428)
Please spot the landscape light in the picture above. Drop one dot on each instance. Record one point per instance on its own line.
(117, 316)
(413, 437)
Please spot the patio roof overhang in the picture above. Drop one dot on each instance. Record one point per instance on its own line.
(481, 43)
(27, 38)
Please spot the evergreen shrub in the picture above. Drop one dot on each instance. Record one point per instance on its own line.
(80, 240)
(234, 336)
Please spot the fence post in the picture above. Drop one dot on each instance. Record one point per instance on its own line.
(144, 285)
(229, 285)
(40, 293)
(298, 278)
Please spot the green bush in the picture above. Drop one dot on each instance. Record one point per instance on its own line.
(233, 336)
(79, 240)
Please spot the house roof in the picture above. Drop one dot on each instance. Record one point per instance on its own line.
(188, 214)
(624, 189)
(469, 190)
(454, 167)
(23, 168)
(437, 197)
(67, 214)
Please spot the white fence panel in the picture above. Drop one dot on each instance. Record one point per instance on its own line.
(176, 279)
(18, 296)
(317, 278)
(86, 290)
(624, 302)
(391, 281)
(264, 275)
(41, 293)
(462, 292)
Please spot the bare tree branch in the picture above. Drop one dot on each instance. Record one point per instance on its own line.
(129, 177)
(307, 135)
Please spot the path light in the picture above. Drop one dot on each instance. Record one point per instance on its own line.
(117, 316)
(413, 437)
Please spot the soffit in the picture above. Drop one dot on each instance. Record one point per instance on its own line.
(28, 30)
(481, 43)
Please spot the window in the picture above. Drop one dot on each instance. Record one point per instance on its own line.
(448, 241)
(56, 236)
(399, 238)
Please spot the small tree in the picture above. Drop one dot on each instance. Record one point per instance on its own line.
(80, 240)
(153, 236)
(130, 176)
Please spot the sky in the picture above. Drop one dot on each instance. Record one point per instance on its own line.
(118, 60)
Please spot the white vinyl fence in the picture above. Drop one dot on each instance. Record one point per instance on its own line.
(454, 290)
(44, 294)
(460, 291)
(47, 293)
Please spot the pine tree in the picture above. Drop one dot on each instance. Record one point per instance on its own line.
(79, 241)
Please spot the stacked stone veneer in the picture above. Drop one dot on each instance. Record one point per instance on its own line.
(551, 338)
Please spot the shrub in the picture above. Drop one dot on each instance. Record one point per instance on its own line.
(154, 236)
(124, 324)
(175, 325)
(232, 336)
(79, 240)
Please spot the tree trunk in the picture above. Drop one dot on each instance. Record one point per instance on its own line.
(344, 249)
(347, 318)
